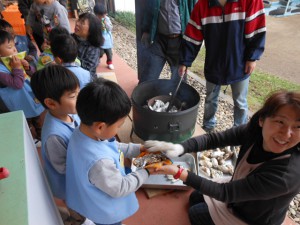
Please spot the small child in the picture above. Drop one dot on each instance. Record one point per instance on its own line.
(64, 49)
(97, 186)
(43, 16)
(46, 57)
(15, 90)
(56, 88)
(101, 12)
(23, 43)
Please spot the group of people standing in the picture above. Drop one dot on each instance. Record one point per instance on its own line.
(232, 32)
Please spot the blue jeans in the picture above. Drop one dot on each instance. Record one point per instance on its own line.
(163, 50)
(119, 223)
(239, 96)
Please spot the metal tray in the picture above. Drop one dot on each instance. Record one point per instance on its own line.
(162, 182)
(231, 162)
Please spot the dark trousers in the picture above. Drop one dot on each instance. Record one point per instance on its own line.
(39, 40)
(164, 49)
(198, 212)
(108, 53)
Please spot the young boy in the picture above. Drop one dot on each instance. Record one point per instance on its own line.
(23, 43)
(43, 16)
(46, 58)
(97, 186)
(15, 90)
(101, 12)
(56, 88)
(64, 50)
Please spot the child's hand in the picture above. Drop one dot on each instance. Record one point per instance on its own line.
(15, 62)
(28, 58)
(25, 64)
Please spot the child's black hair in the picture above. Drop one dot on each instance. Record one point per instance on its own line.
(56, 31)
(64, 47)
(5, 36)
(100, 9)
(95, 30)
(4, 24)
(102, 101)
(52, 82)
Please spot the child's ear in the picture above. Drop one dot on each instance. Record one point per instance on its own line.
(99, 125)
(50, 103)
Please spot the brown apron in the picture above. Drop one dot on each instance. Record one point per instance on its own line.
(220, 213)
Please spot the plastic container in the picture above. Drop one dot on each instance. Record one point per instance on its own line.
(12, 15)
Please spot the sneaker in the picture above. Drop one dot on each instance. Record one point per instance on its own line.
(37, 143)
(208, 130)
(111, 66)
(88, 222)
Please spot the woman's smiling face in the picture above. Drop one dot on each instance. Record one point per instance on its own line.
(281, 131)
(82, 28)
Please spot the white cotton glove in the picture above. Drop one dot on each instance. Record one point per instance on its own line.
(170, 149)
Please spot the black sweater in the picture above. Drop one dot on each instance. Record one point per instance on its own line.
(261, 198)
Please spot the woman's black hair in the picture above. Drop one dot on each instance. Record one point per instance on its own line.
(95, 32)
(273, 103)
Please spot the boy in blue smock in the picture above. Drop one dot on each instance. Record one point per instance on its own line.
(97, 186)
(64, 49)
(57, 88)
(18, 97)
(22, 43)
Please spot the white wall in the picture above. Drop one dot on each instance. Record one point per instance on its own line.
(125, 5)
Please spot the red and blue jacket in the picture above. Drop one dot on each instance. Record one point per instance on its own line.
(232, 34)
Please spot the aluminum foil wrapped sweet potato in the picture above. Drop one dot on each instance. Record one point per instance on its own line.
(151, 159)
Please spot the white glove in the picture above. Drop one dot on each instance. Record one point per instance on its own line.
(170, 149)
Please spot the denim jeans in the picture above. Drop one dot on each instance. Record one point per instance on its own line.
(163, 50)
(119, 223)
(239, 96)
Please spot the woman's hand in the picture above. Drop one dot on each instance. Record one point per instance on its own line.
(172, 170)
(170, 149)
(167, 169)
(15, 62)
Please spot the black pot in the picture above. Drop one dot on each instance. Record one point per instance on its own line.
(174, 127)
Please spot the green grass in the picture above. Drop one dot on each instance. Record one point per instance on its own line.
(126, 19)
(261, 83)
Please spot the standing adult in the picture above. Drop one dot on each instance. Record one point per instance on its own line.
(233, 32)
(163, 25)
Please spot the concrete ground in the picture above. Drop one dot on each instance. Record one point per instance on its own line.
(282, 51)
